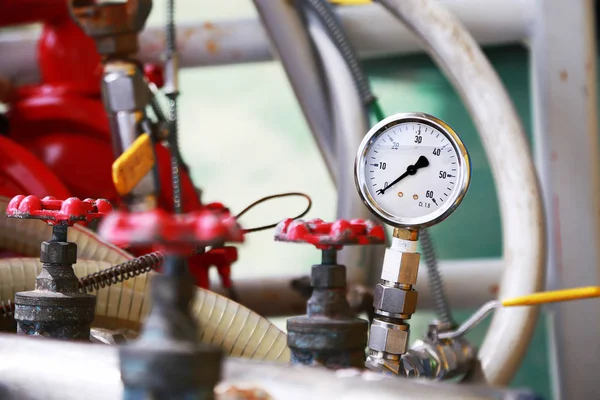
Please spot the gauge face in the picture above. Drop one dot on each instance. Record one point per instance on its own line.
(412, 170)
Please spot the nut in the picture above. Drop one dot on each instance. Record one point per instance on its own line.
(395, 301)
(388, 338)
(400, 267)
(328, 276)
(61, 253)
(124, 88)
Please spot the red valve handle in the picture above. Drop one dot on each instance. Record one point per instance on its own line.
(173, 233)
(56, 212)
(330, 235)
(154, 73)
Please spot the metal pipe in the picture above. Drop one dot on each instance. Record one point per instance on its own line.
(372, 31)
(458, 55)
(350, 124)
(564, 88)
(469, 284)
(33, 369)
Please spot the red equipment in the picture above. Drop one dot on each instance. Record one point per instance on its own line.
(330, 235)
(58, 212)
(56, 125)
(62, 120)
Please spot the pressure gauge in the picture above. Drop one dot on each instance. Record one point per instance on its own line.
(412, 170)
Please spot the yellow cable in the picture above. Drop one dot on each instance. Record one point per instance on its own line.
(553, 296)
(350, 2)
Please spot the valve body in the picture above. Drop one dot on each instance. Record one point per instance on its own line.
(56, 308)
(329, 334)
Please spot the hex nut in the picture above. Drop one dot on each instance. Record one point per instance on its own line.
(400, 267)
(395, 301)
(387, 339)
(62, 253)
(124, 88)
(328, 276)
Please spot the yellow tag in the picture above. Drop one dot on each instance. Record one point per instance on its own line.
(131, 166)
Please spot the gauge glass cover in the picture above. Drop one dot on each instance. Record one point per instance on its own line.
(412, 170)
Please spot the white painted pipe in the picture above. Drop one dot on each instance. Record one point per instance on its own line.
(458, 55)
(60, 370)
(372, 31)
(350, 122)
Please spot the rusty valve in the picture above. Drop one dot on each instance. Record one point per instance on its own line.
(113, 25)
(329, 334)
(167, 358)
(56, 308)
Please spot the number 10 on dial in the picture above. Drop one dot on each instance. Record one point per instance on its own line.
(412, 170)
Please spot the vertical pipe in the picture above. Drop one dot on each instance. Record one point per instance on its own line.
(563, 62)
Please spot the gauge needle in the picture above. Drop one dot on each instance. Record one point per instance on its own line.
(410, 170)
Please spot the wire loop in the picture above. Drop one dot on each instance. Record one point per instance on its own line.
(275, 196)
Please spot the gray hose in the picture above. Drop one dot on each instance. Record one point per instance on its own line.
(334, 28)
(350, 123)
(436, 284)
(286, 32)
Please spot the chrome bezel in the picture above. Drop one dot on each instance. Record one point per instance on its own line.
(463, 180)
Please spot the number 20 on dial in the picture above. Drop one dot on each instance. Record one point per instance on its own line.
(412, 170)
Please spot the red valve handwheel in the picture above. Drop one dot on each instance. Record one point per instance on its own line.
(55, 212)
(330, 235)
(173, 233)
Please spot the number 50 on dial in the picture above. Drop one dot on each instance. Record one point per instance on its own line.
(412, 170)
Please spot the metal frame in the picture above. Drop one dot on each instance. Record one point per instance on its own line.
(563, 66)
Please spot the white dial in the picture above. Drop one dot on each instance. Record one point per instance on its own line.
(412, 170)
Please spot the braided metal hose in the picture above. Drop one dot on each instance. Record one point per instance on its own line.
(436, 285)
(172, 92)
(341, 41)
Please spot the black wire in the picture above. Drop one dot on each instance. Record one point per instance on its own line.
(275, 196)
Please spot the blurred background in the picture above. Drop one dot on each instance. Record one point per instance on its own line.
(244, 137)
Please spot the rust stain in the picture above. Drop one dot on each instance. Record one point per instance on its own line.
(564, 75)
(235, 392)
(554, 156)
(209, 26)
(272, 295)
(493, 289)
(212, 46)
(186, 35)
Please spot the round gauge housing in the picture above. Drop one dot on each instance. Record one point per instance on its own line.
(412, 170)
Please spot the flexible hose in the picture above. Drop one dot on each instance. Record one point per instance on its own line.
(351, 123)
(436, 284)
(338, 36)
(284, 27)
(237, 330)
(505, 142)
